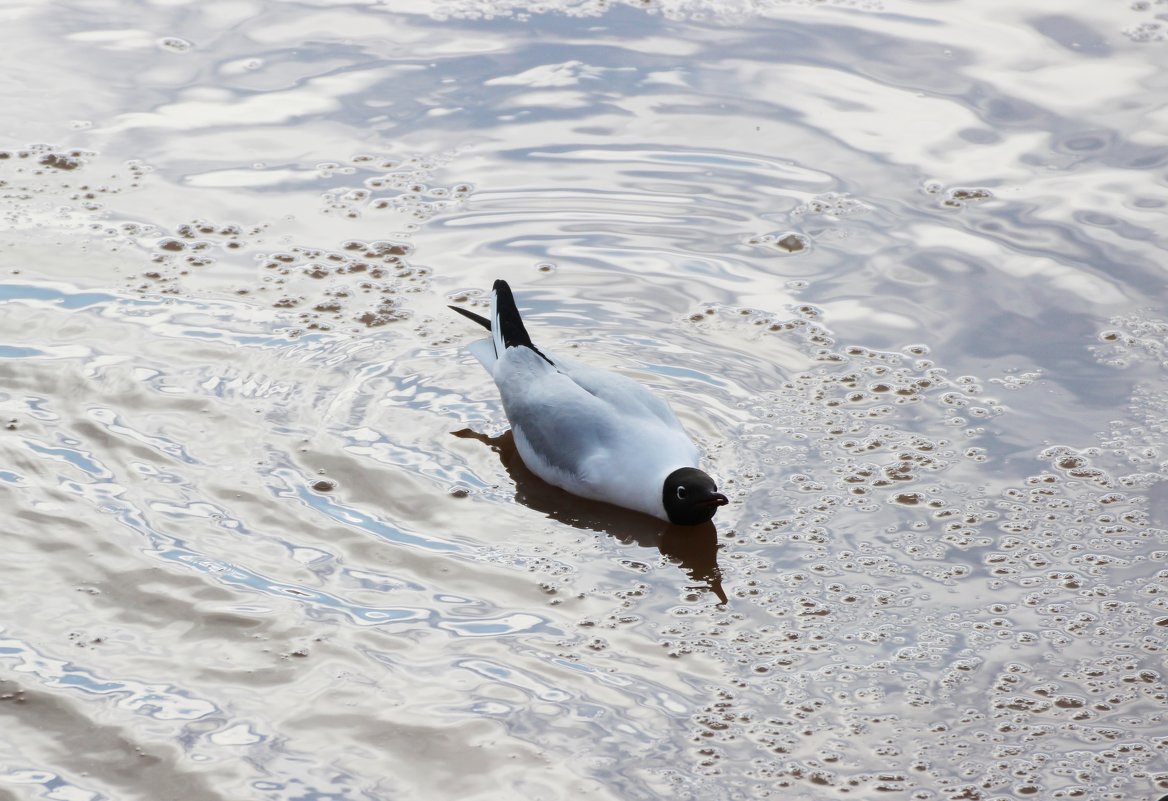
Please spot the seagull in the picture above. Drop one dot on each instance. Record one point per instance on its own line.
(593, 433)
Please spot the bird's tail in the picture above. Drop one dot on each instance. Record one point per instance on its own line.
(483, 349)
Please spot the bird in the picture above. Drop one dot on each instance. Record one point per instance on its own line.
(591, 432)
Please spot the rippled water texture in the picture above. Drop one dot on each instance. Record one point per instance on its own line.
(900, 268)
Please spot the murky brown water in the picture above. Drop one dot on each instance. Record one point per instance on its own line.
(899, 267)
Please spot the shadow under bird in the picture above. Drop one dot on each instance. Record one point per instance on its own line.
(693, 548)
(593, 433)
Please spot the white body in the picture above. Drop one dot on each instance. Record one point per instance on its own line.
(591, 432)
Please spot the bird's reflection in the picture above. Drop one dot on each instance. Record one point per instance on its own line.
(694, 547)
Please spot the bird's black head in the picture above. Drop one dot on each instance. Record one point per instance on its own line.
(691, 497)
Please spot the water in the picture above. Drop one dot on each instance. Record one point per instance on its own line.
(898, 267)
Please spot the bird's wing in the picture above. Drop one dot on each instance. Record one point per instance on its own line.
(588, 430)
(565, 426)
(604, 431)
(624, 395)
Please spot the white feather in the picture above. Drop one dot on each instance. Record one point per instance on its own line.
(589, 431)
(484, 351)
(496, 329)
(593, 433)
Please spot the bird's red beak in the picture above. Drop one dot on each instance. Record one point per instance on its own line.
(715, 500)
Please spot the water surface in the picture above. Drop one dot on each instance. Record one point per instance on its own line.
(899, 267)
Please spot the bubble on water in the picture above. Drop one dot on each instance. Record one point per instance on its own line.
(855, 620)
(1017, 380)
(44, 184)
(1131, 339)
(398, 186)
(174, 44)
(830, 204)
(352, 284)
(60, 161)
(1147, 32)
(958, 196)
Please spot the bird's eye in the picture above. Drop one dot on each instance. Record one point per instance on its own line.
(681, 493)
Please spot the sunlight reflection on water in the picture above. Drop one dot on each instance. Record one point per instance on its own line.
(898, 269)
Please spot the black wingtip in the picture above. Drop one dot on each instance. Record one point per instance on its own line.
(511, 326)
(468, 314)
